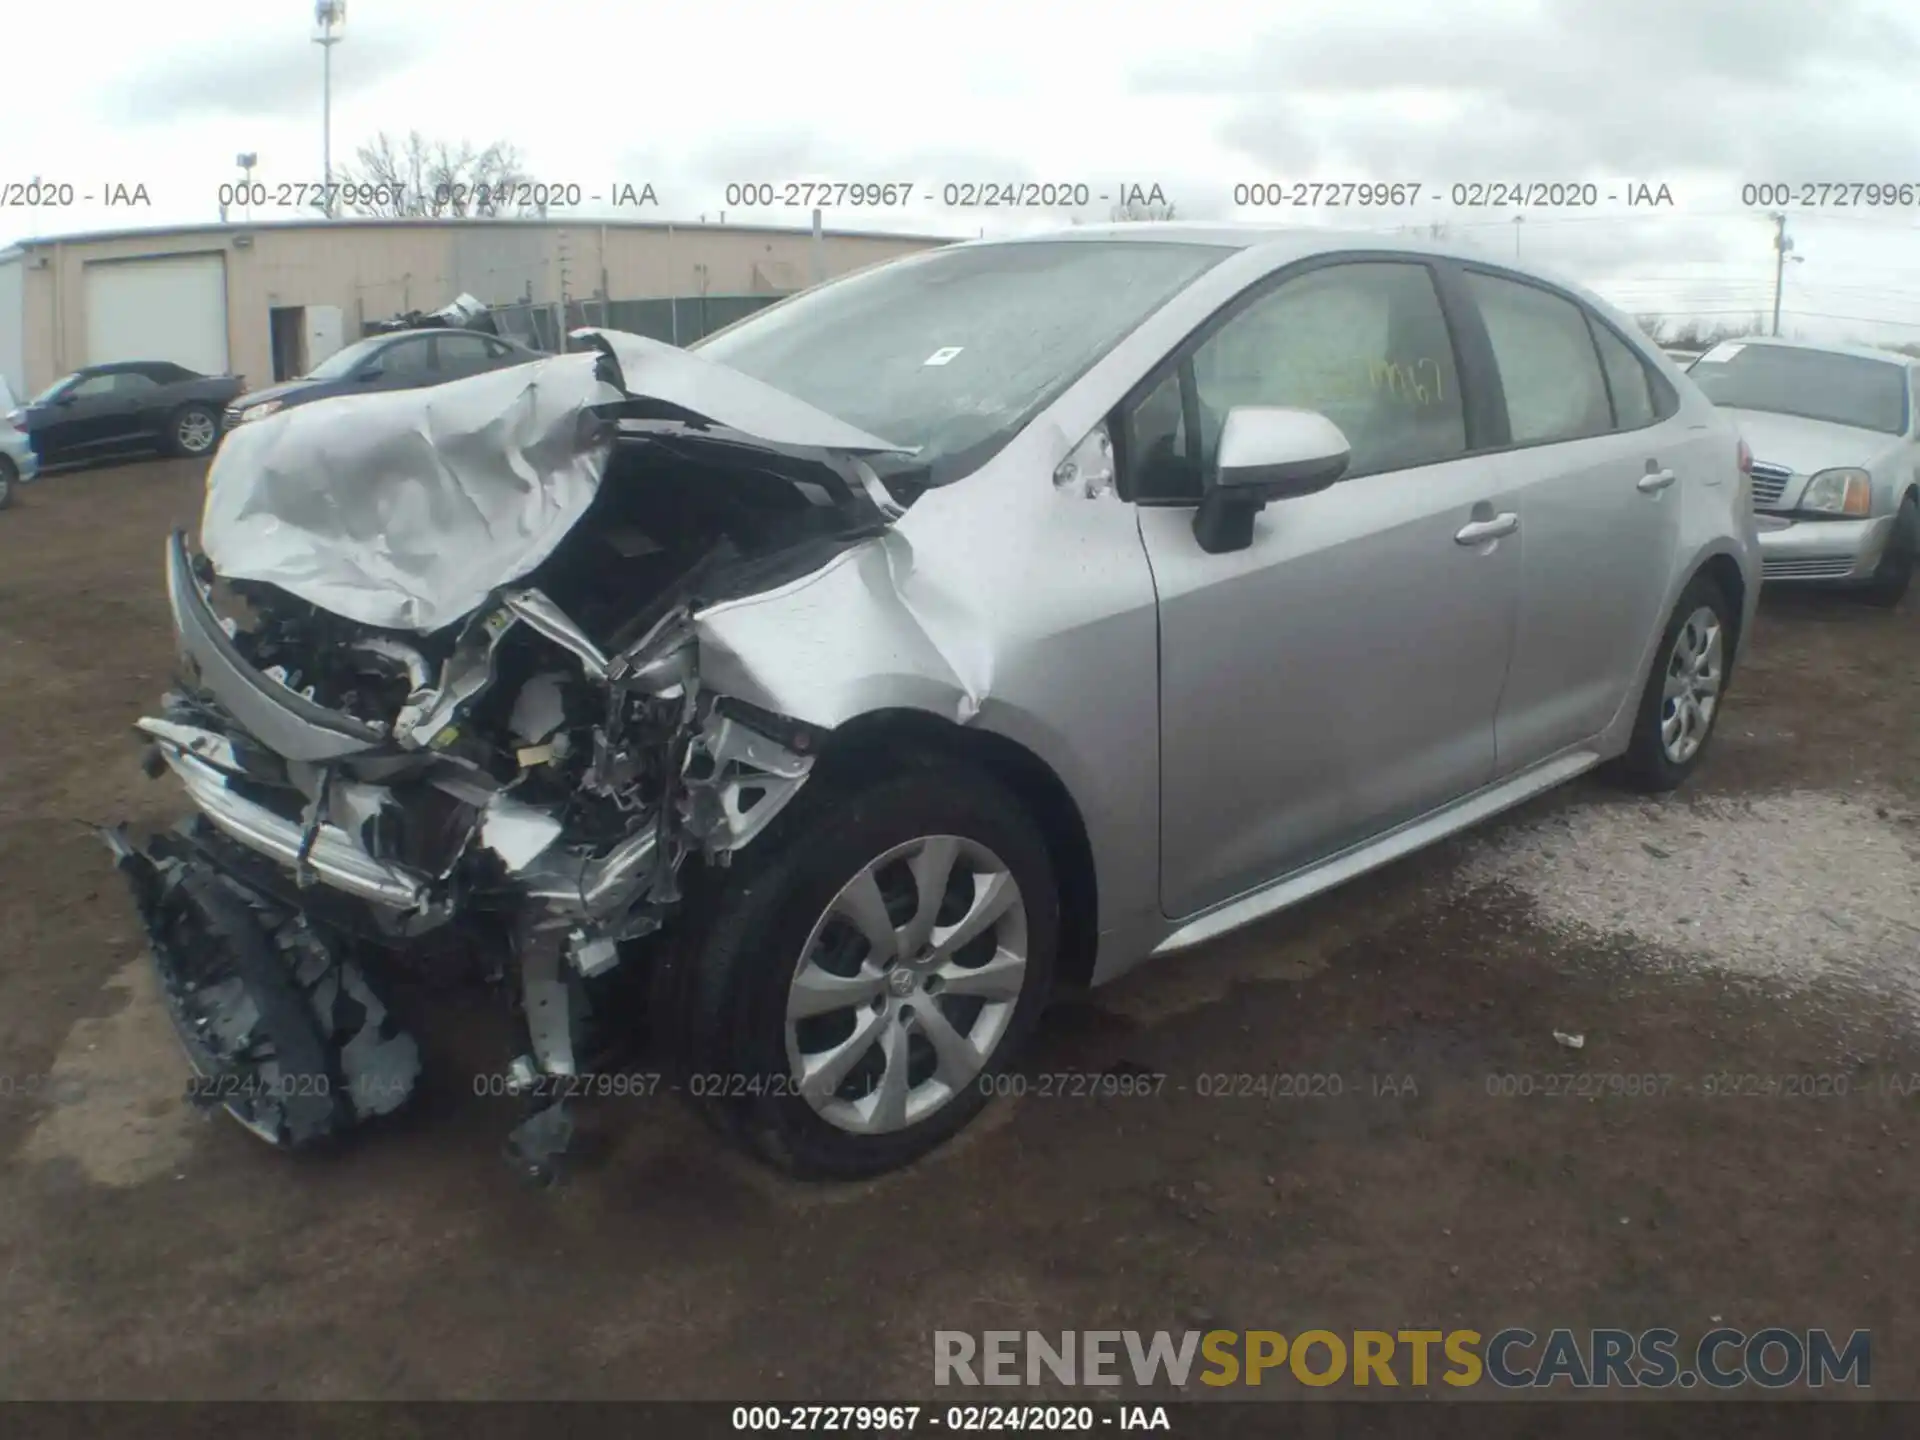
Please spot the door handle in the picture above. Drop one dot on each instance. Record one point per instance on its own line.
(1481, 530)
(1654, 481)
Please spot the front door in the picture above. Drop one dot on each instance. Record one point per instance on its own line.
(1340, 676)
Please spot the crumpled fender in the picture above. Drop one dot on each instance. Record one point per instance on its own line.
(861, 633)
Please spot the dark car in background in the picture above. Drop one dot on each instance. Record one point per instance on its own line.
(402, 361)
(127, 407)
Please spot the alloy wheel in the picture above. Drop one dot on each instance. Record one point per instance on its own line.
(195, 432)
(907, 984)
(1695, 671)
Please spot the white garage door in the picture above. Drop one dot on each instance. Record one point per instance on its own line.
(165, 309)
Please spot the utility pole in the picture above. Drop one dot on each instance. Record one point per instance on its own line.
(1781, 245)
(329, 22)
(246, 163)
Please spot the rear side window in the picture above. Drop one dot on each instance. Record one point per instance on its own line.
(1549, 368)
(1627, 379)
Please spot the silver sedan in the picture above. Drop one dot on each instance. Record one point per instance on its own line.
(1835, 433)
(988, 621)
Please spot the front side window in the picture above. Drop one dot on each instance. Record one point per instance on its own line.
(95, 386)
(409, 359)
(132, 382)
(1365, 344)
(1853, 390)
(1548, 366)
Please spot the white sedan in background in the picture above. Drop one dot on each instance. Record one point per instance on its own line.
(1835, 436)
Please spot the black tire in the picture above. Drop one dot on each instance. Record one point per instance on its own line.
(721, 991)
(1646, 766)
(197, 415)
(1895, 573)
(9, 477)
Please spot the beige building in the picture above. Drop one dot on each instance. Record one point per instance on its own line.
(268, 301)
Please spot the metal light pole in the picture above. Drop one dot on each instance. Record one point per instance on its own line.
(329, 25)
(246, 162)
(1781, 246)
(1518, 220)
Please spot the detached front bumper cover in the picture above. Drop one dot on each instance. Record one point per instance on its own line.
(282, 1029)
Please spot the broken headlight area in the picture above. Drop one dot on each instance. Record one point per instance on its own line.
(530, 781)
(440, 708)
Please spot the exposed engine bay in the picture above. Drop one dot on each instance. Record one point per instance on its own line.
(508, 796)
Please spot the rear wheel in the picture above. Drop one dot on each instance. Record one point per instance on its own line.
(1682, 699)
(193, 430)
(1895, 573)
(843, 1001)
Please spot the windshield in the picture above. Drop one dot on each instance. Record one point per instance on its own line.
(342, 363)
(1813, 384)
(952, 351)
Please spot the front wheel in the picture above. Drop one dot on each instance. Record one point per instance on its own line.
(844, 1001)
(1684, 692)
(193, 430)
(1895, 573)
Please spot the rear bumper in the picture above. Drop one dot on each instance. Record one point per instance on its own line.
(1821, 552)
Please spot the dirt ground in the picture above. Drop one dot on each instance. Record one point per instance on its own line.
(1760, 924)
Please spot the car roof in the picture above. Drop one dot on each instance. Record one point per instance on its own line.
(1303, 240)
(1286, 243)
(1858, 352)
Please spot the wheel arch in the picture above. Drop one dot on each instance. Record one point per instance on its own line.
(899, 736)
(1724, 571)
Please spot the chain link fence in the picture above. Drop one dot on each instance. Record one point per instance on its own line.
(678, 321)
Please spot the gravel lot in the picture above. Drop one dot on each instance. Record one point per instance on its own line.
(1763, 923)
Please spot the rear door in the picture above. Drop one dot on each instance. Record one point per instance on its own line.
(1599, 463)
(1340, 675)
(129, 420)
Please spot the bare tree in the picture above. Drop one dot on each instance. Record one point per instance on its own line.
(1654, 327)
(1142, 210)
(418, 178)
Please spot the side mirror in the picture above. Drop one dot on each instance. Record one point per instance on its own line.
(1265, 454)
(370, 371)
(65, 400)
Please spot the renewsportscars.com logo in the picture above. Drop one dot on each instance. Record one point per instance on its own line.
(1513, 1359)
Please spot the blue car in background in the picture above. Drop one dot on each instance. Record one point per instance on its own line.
(403, 360)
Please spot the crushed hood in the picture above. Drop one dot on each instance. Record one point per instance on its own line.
(406, 509)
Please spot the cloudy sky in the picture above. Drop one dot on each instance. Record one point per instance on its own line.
(1700, 96)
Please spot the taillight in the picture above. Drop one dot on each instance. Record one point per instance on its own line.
(1746, 459)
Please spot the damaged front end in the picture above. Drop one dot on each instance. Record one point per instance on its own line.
(440, 707)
